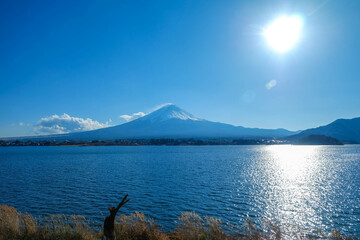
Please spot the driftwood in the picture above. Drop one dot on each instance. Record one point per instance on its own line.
(109, 231)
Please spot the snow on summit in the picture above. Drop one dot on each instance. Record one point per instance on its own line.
(169, 111)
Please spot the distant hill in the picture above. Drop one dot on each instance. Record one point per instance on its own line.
(318, 140)
(170, 121)
(347, 130)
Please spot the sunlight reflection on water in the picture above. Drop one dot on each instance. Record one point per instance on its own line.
(296, 186)
(308, 187)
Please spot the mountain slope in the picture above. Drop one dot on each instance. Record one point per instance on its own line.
(170, 121)
(347, 130)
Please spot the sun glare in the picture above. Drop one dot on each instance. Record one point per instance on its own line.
(294, 161)
(283, 33)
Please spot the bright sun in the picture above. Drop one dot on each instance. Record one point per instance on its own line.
(283, 33)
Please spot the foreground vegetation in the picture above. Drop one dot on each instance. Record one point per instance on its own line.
(16, 225)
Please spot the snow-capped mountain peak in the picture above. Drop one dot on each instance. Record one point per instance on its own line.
(169, 121)
(169, 111)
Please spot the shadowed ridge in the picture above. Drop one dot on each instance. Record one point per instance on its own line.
(346, 130)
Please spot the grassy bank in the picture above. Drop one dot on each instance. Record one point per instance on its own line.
(16, 225)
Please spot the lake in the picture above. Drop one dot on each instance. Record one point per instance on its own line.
(311, 187)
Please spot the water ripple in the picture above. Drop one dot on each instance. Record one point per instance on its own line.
(304, 186)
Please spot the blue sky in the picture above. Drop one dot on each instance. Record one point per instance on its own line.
(103, 59)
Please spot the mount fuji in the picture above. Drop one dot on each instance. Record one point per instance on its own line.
(170, 121)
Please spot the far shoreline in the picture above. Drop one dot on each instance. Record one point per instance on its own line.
(311, 140)
(180, 145)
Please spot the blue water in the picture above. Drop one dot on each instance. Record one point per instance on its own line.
(310, 187)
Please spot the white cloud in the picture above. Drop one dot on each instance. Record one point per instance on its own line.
(271, 84)
(64, 124)
(133, 116)
(21, 124)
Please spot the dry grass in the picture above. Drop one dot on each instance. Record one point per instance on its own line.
(16, 225)
(192, 226)
(137, 226)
